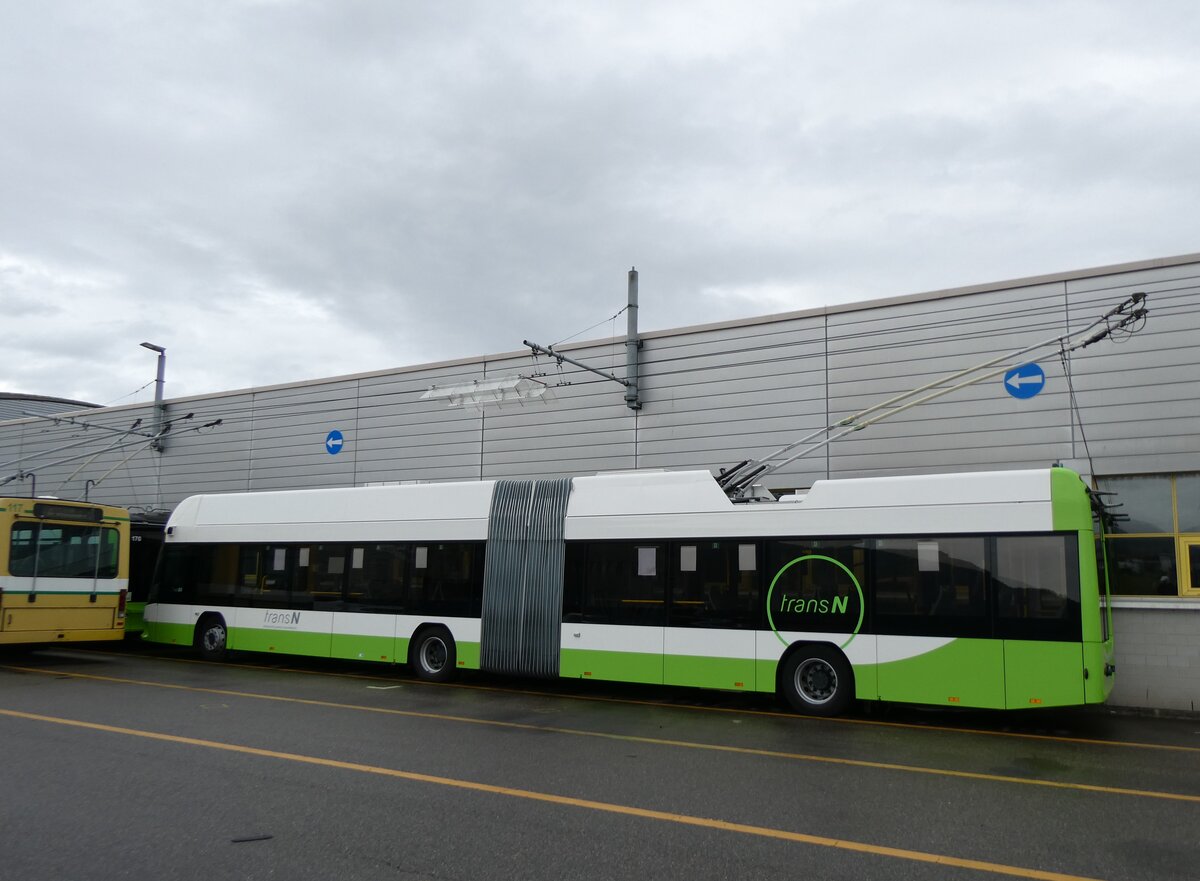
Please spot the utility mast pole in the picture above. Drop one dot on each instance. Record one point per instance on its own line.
(632, 344)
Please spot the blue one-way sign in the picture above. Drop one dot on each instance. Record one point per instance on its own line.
(334, 442)
(1025, 381)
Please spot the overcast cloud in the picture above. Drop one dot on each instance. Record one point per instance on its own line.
(278, 191)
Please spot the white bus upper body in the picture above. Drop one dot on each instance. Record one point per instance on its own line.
(630, 505)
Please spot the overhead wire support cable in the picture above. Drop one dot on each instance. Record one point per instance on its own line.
(130, 437)
(87, 425)
(79, 442)
(549, 350)
(612, 317)
(118, 444)
(738, 479)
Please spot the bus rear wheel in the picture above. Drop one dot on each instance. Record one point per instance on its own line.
(212, 637)
(817, 681)
(433, 655)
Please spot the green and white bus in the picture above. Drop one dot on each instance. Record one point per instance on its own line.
(971, 590)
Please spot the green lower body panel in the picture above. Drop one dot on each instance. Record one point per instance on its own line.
(353, 647)
(284, 642)
(965, 672)
(1042, 674)
(171, 634)
(764, 675)
(468, 655)
(611, 666)
(364, 648)
(730, 674)
(866, 682)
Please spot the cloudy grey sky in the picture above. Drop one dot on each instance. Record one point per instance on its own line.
(278, 191)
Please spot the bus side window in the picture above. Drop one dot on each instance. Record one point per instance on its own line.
(714, 584)
(447, 579)
(1036, 580)
(320, 576)
(933, 586)
(379, 582)
(22, 544)
(624, 583)
(190, 573)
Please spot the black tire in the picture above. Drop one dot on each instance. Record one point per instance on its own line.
(433, 655)
(817, 681)
(212, 637)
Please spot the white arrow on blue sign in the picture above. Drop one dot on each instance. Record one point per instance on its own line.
(1025, 381)
(334, 442)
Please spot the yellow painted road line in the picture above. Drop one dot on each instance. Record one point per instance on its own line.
(947, 729)
(568, 801)
(634, 738)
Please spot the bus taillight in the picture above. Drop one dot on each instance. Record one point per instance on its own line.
(121, 597)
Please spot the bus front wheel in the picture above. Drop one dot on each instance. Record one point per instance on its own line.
(817, 681)
(433, 655)
(211, 637)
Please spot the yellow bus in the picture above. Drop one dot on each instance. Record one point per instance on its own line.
(64, 571)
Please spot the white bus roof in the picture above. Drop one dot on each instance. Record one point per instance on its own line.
(656, 504)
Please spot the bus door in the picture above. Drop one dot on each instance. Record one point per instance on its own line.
(932, 615)
(614, 611)
(292, 592)
(1036, 583)
(712, 615)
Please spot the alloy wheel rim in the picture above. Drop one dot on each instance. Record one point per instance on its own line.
(433, 655)
(816, 681)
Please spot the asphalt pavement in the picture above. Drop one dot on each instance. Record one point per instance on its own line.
(148, 764)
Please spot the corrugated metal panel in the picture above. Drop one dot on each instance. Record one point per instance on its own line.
(713, 395)
(891, 350)
(1138, 399)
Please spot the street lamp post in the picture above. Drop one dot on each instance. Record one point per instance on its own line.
(157, 444)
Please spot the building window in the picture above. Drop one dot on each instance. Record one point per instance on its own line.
(1153, 534)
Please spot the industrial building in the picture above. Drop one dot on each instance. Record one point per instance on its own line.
(1124, 412)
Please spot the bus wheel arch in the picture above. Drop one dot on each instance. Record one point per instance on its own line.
(816, 679)
(432, 653)
(212, 636)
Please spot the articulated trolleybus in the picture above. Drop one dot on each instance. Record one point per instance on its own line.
(64, 571)
(973, 590)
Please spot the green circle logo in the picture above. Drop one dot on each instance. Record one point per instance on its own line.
(840, 565)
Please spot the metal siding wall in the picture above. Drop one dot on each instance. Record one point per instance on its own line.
(882, 352)
(127, 473)
(1141, 412)
(583, 428)
(712, 396)
(289, 427)
(194, 458)
(402, 438)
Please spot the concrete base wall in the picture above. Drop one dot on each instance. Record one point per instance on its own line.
(1157, 655)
